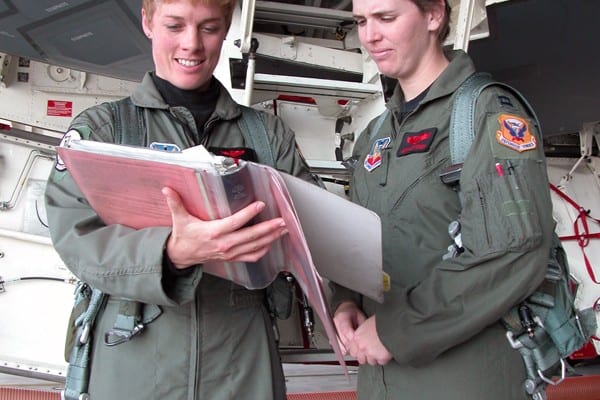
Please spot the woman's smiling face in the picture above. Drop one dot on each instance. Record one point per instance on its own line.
(186, 41)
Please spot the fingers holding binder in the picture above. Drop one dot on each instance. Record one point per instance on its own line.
(195, 241)
(348, 317)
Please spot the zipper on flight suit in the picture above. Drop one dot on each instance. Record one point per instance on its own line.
(385, 153)
(184, 125)
(387, 157)
(207, 128)
(418, 180)
(484, 208)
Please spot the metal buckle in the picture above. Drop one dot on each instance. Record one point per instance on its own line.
(82, 396)
(563, 371)
(116, 336)
(84, 336)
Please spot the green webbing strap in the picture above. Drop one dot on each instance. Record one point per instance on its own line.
(127, 324)
(379, 121)
(129, 128)
(133, 316)
(77, 379)
(255, 135)
(462, 119)
(254, 131)
(129, 124)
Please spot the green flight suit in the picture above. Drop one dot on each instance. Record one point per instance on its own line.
(214, 340)
(440, 320)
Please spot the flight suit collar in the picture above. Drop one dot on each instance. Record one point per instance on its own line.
(459, 69)
(146, 95)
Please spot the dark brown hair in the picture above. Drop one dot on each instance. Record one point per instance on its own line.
(427, 5)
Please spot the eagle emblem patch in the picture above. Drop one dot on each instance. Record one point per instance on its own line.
(514, 133)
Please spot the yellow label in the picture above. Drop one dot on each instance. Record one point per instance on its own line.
(387, 282)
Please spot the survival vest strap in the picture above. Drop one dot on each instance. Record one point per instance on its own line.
(546, 328)
(130, 129)
(88, 302)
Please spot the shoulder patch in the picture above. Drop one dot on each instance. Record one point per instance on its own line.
(513, 132)
(64, 142)
(373, 159)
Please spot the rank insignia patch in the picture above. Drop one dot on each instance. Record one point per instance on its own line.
(505, 101)
(373, 159)
(416, 142)
(514, 133)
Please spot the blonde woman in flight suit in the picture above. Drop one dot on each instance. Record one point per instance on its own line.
(213, 340)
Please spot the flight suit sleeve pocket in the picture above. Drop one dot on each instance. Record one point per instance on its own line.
(499, 213)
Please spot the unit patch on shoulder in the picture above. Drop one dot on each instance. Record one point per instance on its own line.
(64, 142)
(373, 159)
(514, 133)
(416, 142)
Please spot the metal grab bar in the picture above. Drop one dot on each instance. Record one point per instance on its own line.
(23, 177)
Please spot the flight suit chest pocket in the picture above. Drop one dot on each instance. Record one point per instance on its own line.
(499, 211)
(382, 189)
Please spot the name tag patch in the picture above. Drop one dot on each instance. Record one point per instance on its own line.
(416, 142)
(237, 153)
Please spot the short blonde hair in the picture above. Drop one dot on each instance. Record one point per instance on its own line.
(226, 6)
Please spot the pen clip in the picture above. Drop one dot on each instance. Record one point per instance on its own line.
(499, 169)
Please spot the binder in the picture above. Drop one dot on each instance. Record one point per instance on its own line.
(328, 236)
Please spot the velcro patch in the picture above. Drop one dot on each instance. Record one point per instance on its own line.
(373, 159)
(237, 153)
(416, 142)
(514, 133)
(72, 134)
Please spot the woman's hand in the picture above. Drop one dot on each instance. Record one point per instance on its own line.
(366, 346)
(346, 319)
(195, 241)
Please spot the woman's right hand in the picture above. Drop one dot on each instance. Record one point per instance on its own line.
(195, 241)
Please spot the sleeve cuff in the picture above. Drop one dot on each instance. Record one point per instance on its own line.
(169, 268)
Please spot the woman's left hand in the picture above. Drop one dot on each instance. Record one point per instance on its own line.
(366, 346)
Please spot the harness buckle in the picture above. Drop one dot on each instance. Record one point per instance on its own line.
(116, 336)
(84, 336)
(563, 372)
